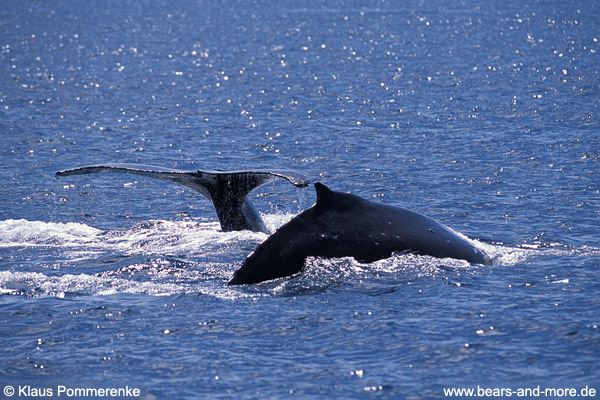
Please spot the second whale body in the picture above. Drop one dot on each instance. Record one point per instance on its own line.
(346, 225)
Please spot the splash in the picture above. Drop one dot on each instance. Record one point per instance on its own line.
(21, 232)
(143, 259)
(500, 255)
(149, 236)
(33, 284)
(160, 257)
(79, 241)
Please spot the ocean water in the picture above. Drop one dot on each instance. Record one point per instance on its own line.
(482, 115)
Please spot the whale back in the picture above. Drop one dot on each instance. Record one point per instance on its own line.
(346, 225)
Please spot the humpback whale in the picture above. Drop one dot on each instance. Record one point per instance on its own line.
(345, 225)
(337, 225)
(227, 190)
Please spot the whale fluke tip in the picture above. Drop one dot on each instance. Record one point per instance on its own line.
(227, 190)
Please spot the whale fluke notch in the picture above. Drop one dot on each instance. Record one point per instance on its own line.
(227, 190)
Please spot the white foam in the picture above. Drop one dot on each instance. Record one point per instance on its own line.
(80, 241)
(26, 233)
(35, 284)
(76, 243)
(500, 255)
(174, 237)
(274, 221)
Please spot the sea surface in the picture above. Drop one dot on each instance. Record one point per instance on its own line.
(483, 115)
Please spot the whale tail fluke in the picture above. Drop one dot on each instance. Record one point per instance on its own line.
(227, 190)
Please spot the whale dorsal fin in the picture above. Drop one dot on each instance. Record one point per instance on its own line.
(327, 198)
(330, 198)
(324, 194)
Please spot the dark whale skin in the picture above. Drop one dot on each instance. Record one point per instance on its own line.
(346, 225)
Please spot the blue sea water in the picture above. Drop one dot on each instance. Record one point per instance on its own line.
(482, 115)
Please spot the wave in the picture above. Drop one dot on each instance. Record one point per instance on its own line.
(177, 257)
(24, 233)
(34, 284)
(149, 237)
(138, 258)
